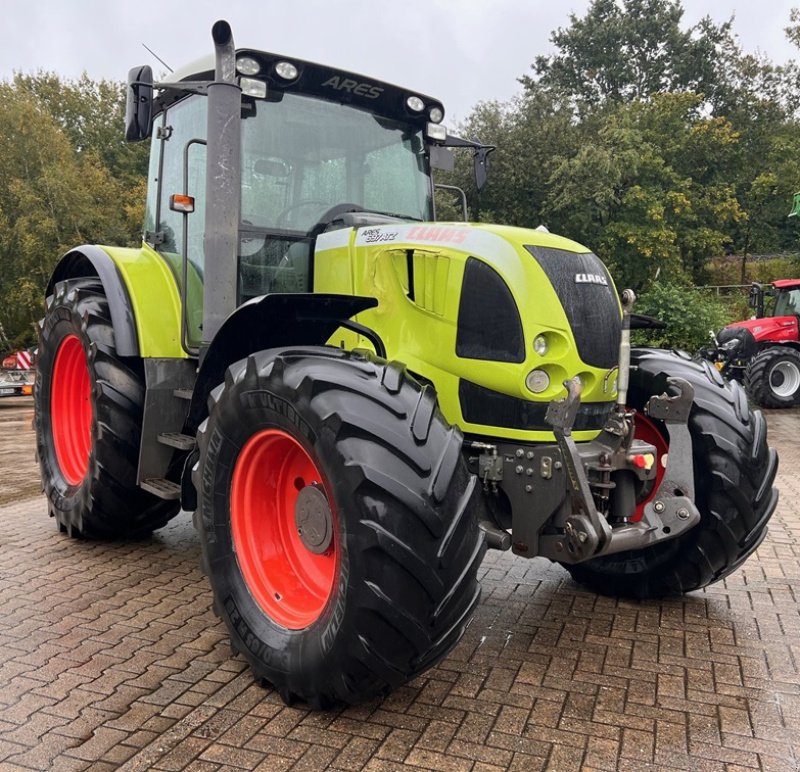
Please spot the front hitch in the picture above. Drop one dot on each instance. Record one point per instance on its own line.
(586, 533)
(671, 511)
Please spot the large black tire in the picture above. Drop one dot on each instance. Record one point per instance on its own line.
(405, 545)
(88, 416)
(734, 473)
(772, 377)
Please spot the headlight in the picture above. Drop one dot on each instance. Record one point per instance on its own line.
(254, 88)
(537, 381)
(540, 345)
(730, 345)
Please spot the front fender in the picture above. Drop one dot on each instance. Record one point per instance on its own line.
(269, 321)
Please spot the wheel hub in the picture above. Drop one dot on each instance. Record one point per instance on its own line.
(313, 519)
(785, 379)
(284, 529)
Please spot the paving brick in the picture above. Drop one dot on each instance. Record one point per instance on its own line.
(110, 658)
(355, 755)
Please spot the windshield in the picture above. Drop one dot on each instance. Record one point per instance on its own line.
(302, 156)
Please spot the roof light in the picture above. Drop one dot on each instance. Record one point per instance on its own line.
(415, 103)
(436, 132)
(253, 88)
(286, 70)
(246, 65)
(436, 114)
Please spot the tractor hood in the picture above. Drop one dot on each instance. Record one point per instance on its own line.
(496, 317)
(769, 328)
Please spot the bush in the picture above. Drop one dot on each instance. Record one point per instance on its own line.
(688, 312)
(728, 270)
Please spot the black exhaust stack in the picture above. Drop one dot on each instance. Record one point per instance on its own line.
(223, 187)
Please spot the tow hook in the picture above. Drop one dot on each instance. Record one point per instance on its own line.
(674, 499)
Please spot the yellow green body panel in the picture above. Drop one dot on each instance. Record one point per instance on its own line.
(422, 332)
(155, 300)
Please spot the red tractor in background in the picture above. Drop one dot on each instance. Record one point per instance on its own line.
(764, 352)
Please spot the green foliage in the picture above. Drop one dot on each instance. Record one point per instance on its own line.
(628, 50)
(689, 314)
(59, 190)
(91, 114)
(727, 270)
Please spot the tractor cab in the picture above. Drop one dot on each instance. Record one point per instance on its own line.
(313, 148)
(781, 298)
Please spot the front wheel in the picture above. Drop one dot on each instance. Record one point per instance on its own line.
(772, 378)
(337, 523)
(734, 471)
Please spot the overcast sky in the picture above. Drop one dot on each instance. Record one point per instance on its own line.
(459, 51)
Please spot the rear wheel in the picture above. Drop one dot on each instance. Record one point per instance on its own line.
(337, 522)
(88, 420)
(772, 378)
(734, 472)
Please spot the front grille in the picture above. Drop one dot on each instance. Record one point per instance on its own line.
(480, 405)
(587, 295)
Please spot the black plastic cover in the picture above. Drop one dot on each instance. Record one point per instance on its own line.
(587, 294)
(747, 346)
(489, 326)
(480, 405)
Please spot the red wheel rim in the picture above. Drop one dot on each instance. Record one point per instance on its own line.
(647, 431)
(71, 410)
(290, 583)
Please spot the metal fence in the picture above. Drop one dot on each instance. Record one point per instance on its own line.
(725, 289)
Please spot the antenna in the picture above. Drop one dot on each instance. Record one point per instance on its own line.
(150, 50)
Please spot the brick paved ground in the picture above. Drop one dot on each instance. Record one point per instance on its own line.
(111, 658)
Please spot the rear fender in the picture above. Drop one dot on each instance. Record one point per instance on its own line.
(143, 297)
(90, 260)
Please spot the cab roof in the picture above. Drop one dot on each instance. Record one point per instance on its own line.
(318, 80)
(783, 283)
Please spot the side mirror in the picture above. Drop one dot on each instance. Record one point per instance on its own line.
(139, 104)
(480, 159)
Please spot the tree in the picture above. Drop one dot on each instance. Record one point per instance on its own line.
(651, 190)
(529, 133)
(91, 113)
(628, 50)
(54, 197)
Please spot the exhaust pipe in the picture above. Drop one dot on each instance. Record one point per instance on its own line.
(224, 51)
(223, 185)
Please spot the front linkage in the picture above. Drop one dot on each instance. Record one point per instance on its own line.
(571, 502)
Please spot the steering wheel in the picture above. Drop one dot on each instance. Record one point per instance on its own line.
(329, 215)
(283, 218)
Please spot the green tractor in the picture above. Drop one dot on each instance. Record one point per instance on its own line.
(355, 400)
